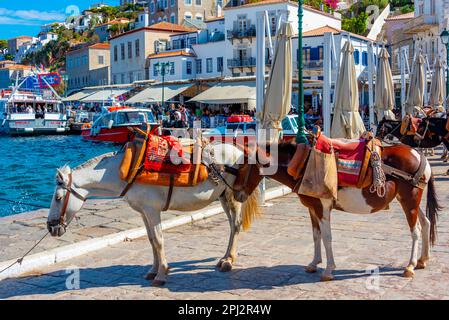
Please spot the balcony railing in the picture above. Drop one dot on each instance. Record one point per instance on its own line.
(239, 34)
(242, 63)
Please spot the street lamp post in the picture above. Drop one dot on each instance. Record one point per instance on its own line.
(300, 137)
(163, 68)
(445, 40)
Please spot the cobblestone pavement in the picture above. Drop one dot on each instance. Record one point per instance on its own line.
(370, 253)
(98, 218)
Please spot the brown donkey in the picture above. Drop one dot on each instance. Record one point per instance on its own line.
(355, 200)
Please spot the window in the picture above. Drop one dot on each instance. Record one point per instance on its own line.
(364, 58)
(209, 66)
(100, 59)
(306, 54)
(165, 3)
(220, 64)
(187, 16)
(199, 17)
(155, 71)
(165, 19)
(356, 57)
(115, 79)
(130, 49)
(173, 18)
(152, 7)
(122, 49)
(122, 76)
(172, 3)
(172, 68)
(198, 3)
(137, 44)
(199, 66)
(189, 67)
(188, 2)
(131, 77)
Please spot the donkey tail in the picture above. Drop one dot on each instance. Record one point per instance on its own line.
(250, 209)
(432, 209)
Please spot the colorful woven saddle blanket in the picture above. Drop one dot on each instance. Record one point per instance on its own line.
(166, 154)
(350, 156)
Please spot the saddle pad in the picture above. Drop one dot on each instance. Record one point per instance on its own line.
(183, 179)
(165, 154)
(350, 156)
(410, 125)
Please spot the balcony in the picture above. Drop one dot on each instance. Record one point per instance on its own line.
(241, 34)
(419, 24)
(242, 63)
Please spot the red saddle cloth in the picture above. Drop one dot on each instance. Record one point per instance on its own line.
(166, 155)
(350, 156)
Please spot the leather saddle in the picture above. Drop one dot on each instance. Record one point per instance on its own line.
(148, 160)
(353, 158)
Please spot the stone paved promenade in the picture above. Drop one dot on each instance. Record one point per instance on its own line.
(370, 253)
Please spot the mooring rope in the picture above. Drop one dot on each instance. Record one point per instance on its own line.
(19, 261)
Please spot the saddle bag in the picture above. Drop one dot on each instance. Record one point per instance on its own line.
(320, 176)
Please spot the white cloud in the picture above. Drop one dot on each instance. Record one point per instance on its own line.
(29, 17)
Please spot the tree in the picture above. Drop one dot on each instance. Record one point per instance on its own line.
(357, 24)
(3, 44)
(8, 56)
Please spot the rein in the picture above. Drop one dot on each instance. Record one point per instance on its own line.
(69, 191)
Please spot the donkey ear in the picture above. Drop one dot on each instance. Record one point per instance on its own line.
(59, 176)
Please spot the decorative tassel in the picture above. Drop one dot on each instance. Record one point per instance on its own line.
(379, 178)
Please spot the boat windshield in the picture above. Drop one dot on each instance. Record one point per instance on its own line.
(134, 117)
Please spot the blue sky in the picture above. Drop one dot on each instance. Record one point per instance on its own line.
(23, 17)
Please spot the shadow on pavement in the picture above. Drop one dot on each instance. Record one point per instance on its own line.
(185, 276)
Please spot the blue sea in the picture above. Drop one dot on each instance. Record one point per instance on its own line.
(28, 167)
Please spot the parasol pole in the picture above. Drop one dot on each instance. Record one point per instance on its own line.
(300, 136)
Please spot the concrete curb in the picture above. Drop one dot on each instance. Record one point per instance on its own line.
(53, 256)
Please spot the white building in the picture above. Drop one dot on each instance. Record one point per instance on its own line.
(240, 26)
(84, 21)
(194, 55)
(130, 50)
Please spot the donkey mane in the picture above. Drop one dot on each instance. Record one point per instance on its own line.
(93, 161)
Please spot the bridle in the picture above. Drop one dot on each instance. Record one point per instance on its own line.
(69, 191)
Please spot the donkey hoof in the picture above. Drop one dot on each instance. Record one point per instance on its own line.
(226, 266)
(408, 273)
(421, 265)
(150, 276)
(326, 277)
(311, 268)
(158, 283)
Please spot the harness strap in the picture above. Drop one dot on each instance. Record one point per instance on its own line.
(66, 201)
(413, 179)
(129, 184)
(170, 192)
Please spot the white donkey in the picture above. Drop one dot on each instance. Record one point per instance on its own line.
(99, 177)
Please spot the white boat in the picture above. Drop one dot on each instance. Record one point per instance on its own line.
(31, 112)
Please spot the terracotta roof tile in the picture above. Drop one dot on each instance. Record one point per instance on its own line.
(161, 26)
(320, 31)
(171, 54)
(409, 15)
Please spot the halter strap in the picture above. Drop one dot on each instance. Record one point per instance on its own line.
(69, 191)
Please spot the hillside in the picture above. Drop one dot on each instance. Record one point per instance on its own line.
(52, 56)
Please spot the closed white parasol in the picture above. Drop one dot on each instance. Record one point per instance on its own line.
(384, 91)
(415, 97)
(277, 100)
(347, 122)
(437, 88)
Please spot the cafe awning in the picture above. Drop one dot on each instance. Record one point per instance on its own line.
(79, 95)
(154, 93)
(104, 95)
(229, 93)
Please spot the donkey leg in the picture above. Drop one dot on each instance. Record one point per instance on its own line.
(410, 199)
(326, 234)
(232, 209)
(313, 266)
(153, 271)
(155, 227)
(425, 235)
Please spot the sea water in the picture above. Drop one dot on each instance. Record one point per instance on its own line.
(28, 167)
